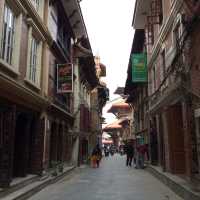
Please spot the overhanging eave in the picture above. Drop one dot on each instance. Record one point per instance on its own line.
(142, 8)
(74, 13)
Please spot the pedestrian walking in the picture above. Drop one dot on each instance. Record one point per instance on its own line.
(141, 150)
(96, 156)
(129, 150)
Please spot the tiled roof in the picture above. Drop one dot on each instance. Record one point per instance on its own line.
(113, 126)
(117, 106)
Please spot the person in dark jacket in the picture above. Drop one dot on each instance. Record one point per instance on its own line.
(97, 154)
(129, 150)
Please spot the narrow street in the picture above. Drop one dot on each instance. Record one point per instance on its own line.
(112, 181)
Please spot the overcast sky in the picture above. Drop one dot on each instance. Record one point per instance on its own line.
(109, 26)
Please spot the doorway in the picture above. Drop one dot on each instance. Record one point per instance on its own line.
(176, 139)
(21, 157)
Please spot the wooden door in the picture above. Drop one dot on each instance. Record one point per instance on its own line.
(176, 135)
(7, 131)
(22, 145)
(38, 147)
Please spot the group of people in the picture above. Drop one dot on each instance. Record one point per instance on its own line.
(135, 155)
(109, 150)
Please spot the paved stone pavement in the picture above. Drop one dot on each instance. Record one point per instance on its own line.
(112, 181)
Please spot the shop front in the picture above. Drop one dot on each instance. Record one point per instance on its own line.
(21, 141)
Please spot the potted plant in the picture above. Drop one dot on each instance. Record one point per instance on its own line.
(60, 167)
(54, 168)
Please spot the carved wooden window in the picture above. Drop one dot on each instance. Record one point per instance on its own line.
(177, 34)
(33, 60)
(149, 32)
(155, 17)
(193, 6)
(36, 4)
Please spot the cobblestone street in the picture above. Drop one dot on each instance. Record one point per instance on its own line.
(112, 181)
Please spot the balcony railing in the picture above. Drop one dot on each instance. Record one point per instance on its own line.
(61, 100)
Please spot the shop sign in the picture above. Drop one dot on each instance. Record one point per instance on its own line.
(64, 78)
(139, 67)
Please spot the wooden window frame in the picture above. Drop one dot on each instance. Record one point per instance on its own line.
(36, 4)
(36, 82)
(33, 60)
(17, 9)
(7, 41)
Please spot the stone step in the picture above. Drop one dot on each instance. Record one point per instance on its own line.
(177, 184)
(17, 184)
(36, 186)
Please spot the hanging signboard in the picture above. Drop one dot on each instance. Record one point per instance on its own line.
(64, 78)
(139, 67)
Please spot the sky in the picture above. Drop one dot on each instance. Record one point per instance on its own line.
(109, 26)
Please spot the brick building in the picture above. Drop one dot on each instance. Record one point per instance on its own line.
(99, 96)
(171, 37)
(22, 84)
(36, 121)
(120, 130)
(137, 92)
(90, 97)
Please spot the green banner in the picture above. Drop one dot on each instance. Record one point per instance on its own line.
(139, 67)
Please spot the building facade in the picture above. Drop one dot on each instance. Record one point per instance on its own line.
(23, 95)
(99, 97)
(137, 93)
(121, 129)
(171, 37)
(36, 121)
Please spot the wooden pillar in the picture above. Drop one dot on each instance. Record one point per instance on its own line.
(27, 147)
(56, 139)
(187, 129)
(63, 140)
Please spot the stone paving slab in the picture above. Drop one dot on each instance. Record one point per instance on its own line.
(112, 181)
